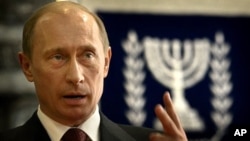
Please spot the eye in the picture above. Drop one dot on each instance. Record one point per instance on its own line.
(58, 57)
(88, 54)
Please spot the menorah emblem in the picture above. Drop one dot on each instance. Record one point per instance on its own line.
(178, 66)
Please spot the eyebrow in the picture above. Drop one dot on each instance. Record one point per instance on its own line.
(53, 50)
(60, 49)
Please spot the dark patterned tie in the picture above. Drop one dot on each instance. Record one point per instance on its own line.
(74, 134)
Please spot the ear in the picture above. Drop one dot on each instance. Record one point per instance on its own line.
(108, 54)
(25, 63)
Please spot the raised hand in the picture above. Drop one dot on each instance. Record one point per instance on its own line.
(172, 128)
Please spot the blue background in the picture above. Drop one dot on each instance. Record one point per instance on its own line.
(237, 34)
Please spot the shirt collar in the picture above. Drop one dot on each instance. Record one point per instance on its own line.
(56, 130)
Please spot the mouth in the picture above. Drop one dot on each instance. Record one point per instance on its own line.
(75, 99)
(74, 96)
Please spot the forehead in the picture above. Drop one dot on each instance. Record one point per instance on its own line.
(68, 15)
(66, 20)
(67, 27)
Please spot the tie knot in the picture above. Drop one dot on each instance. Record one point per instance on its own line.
(74, 134)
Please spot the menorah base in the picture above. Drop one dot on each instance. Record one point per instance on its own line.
(190, 120)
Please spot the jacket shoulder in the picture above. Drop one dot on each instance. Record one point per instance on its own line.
(32, 130)
(17, 133)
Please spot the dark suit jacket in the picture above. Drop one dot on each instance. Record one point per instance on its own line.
(33, 130)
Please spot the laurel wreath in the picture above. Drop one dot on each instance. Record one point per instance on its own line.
(134, 77)
(221, 86)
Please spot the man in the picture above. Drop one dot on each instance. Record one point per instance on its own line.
(66, 54)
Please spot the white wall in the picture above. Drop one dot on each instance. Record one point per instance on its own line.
(210, 7)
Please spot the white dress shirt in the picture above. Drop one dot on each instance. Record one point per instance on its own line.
(56, 130)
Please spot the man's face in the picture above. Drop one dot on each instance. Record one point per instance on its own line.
(68, 66)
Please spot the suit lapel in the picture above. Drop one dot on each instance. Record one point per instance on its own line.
(34, 129)
(110, 131)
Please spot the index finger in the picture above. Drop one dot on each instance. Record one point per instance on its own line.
(167, 123)
(170, 109)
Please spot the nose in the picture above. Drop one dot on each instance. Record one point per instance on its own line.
(74, 74)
